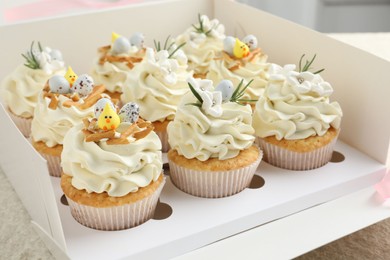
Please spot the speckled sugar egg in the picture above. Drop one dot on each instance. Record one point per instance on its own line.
(83, 85)
(121, 45)
(226, 88)
(129, 112)
(137, 39)
(100, 104)
(58, 84)
(251, 41)
(228, 44)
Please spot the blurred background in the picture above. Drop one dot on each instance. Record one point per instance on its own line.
(328, 16)
(331, 16)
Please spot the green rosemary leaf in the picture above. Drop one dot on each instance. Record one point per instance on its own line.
(40, 47)
(194, 104)
(166, 42)
(196, 94)
(307, 66)
(155, 45)
(174, 51)
(236, 90)
(318, 71)
(300, 62)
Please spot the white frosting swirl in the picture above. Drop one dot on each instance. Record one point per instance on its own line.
(195, 134)
(21, 88)
(115, 169)
(51, 125)
(201, 48)
(255, 70)
(295, 106)
(157, 84)
(114, 74)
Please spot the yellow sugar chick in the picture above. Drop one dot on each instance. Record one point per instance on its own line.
(108, 119)
(70, 76)
(114, 36)
(240, 49)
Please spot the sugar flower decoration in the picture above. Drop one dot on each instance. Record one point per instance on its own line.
(210, 101)
(43, 58)
(206, 28)
(165, 66)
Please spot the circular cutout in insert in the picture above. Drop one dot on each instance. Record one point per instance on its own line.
(257, 182)
(64, 201)
(166, 169)
(337, 157)
(163, 211)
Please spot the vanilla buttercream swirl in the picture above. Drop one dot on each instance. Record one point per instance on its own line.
(51, 125)
(256, 70)
(295, 105)
(195, 134)
(115, 169)
(201, 48)
(21, 88)
(114, 74)
(157, 84)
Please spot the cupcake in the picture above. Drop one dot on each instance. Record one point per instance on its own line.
(296, 125)
(112, 170)
(203, 40)
(19, 90)
(157, 84)
(116, 60)
(63, 102)
(241, 60)
(212, 143)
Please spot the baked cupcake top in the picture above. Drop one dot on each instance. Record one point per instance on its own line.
(295, 105)
(116, 59)
(241, 60)
(113, 153)
(158, 83)
(20, 89)
(63, 102)
(210, 123)
(202, 40)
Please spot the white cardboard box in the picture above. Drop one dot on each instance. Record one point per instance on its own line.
(360, 83)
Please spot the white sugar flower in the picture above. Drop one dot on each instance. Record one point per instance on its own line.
(200, 85)
(165, 66)
(212, 102)
(277, 72)
(46, 61)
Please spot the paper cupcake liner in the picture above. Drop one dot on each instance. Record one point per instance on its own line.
(23, 124)
(118, 217)
(298, 161)
(163, 135)
(212, 184)
(53, 164)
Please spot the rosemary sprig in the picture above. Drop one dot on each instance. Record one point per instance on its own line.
(201, 28)
(196, 94)
(240, 91)
(307, 65)
(31, 61)
(157, 46)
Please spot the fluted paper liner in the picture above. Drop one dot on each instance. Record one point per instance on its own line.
(163, 135)
(118, 217)
(54, 164)
(213, 184)
(299, 161)
(23, 124)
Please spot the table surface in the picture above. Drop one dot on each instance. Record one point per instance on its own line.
(18, 240)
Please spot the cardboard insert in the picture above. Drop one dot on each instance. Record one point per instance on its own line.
(195, 222)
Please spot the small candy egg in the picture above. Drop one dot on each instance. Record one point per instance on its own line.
(251, 41)
(226, 88)
(129, 112)
(83, 85)
(58, 84)
(121, 45)
(228, 44)
(100, 104)
(137, 39)
(56, 55)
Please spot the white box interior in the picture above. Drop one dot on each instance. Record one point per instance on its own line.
(360, 83)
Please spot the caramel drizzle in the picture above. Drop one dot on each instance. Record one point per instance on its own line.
(89, 101)
(138, 130)
(110, 58)
(239, 62)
